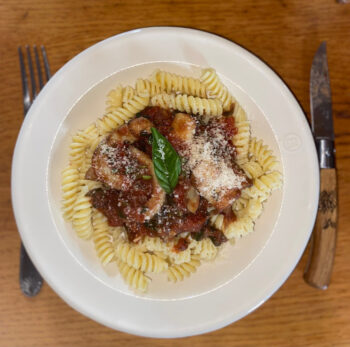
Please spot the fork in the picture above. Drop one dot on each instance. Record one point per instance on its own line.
(29, 278)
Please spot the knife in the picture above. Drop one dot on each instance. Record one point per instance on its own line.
(318, 270)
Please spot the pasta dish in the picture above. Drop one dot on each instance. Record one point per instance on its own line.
(167, 176)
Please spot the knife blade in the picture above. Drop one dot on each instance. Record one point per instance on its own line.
(321, 108)
(319, 267)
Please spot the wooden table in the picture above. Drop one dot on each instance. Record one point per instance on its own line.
(283, 33)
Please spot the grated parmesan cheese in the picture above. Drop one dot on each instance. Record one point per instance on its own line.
(209, 156)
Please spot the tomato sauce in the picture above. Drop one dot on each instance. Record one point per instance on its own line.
(126, 208)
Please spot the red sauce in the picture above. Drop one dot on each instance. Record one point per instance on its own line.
(119, 206)
(181, 245)
(126, 208)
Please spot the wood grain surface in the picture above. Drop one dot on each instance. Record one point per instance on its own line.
(285, 34)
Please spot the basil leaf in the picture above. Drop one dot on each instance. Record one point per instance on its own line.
(166, 161)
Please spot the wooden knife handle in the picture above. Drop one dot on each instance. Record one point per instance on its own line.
(318, 271)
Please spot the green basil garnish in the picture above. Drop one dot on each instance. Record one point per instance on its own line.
(166, 161)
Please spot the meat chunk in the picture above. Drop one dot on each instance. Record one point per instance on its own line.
(139, 125)
(184, 127)
(108, 165)
(157, 199)
(121, 135)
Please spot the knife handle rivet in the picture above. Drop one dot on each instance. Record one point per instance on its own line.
(292, 142)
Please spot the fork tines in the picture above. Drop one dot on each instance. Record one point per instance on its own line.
(28, 96)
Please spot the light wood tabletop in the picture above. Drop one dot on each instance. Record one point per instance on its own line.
(285, 34)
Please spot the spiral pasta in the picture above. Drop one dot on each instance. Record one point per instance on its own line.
(189, 104)
(114, 99)
(241, 141)
(170, 82)
(102, 238)
(122, 114)
(155, 244)
(239, 113)
(134, 278)
(80, 142)
(262, 154)
(179, 272)
(82, 215)
(253, 209)
(216, 89)
(252, 169)
(118, 96)
(263, 186)
(70, 189)
(147, 86)
(145, 262)
(242, 226)
(205, 249)
(128, 94)
(240, 203)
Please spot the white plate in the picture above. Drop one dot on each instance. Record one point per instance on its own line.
(245, 275)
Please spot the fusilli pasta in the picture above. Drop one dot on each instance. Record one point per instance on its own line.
(216, 89)
(114, 99)
(82, 215)
(205, 249)
(145, 262)
(242, 226)
(252, 169)
(189, 104)
(134, 278)
(263, 186)
(170, 82)
(262, 154)
(179, 272)
(122, 114)
(147, 86)
(102, 238)
(70, 189)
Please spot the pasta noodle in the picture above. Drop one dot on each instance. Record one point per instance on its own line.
(262, 154)
(252, 169)
(189, 104)
(82, 215)
(145, 262)
(122, 114)
(179, 272)
(263, 186)
(128, 94)
(241, 139)
(114, 99)
(146, 86)
(253, 209)
(102, 238)
(119, 96)
(216, 89)
(241, 227)
(180, 257)
(70, 189)
(80, 142)
(134, 278)
(205, 249)
(170, 82)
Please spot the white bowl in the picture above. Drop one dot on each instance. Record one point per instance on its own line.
(244, 275)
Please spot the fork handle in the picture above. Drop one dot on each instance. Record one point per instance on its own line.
(29, 278)
(319, 268)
